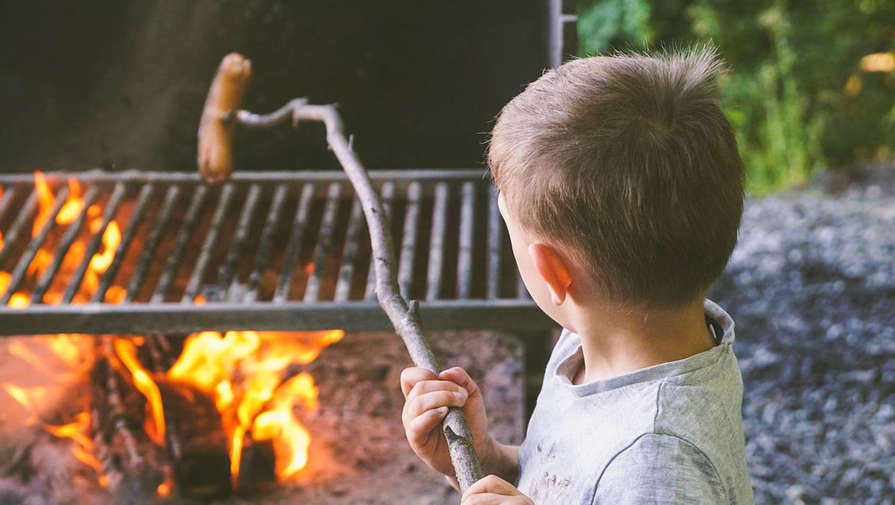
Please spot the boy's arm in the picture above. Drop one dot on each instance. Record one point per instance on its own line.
(501, 460)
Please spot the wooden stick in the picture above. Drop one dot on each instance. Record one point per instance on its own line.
(403, 314)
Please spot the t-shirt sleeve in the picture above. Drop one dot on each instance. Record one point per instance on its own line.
(660, 469)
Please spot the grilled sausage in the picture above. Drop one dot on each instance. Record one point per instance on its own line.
(215, 156)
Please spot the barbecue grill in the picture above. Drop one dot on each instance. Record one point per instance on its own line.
(188, 261)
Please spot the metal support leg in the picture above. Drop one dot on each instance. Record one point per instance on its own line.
(538, 345)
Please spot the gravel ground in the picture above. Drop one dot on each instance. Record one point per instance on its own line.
(811, 286)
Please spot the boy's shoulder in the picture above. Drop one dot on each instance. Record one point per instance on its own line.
(679, 419)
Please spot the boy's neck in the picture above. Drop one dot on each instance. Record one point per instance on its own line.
(616, 342)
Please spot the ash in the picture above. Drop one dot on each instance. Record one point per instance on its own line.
(811, 286)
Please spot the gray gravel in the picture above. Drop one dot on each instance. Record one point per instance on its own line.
(811, 286)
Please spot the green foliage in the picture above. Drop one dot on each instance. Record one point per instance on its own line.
(602, 23)
(795, 93)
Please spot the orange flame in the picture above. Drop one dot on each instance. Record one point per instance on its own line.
(83, 448)
(243, 371)
(73, 204)
(44, 200)
(291, 439)
(100, 261)
(127, 353)
(30, 398)
(261, 403)
(19, 301)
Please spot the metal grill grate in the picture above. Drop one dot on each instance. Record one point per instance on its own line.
(262, 251)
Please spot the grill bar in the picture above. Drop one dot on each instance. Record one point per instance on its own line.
(294, 248)
(388, 193)
(264, 249)
(71, 233)
(155, 235)
(22, 266)
(495, 238)
(238, 244)
(352, 239)
(521, 290)
(183, 236)
(121, 250)
(464, 255)
(6, 200)
(10, 237)
(192, 288)
(436, 241)
(225, 278)
(111, 208)
(408, 243)
(324, 241)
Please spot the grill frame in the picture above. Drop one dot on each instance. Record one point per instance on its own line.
(159, 317)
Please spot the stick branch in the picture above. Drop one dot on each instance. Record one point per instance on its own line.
(404, 315)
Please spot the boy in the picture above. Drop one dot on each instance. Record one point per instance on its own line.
(622, 191)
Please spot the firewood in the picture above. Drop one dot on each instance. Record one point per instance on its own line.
(196, 441)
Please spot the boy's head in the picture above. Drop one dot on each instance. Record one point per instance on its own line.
(628, 169)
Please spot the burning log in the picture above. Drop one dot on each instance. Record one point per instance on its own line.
(130, 462)
(196, 442)
(194, 434)
(403, 314)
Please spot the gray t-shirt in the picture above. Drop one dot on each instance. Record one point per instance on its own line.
(668, 434)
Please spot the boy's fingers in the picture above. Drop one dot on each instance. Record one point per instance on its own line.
(429, 386)
(410, 376)
(417, 405)
(482, 499)
(420, 428)
(459, 375)
(491, 484)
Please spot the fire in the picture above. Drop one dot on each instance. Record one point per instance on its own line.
(127, 353)
(73, 204)
(261, 405)
(64, 361)
(111, 237)
(45, 201)
(68, 213)
(254, 378)
(83, 446)
(30, 398)
(291, 439)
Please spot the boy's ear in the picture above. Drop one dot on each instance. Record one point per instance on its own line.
(552, 269)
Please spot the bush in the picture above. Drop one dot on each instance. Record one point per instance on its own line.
(800, 92)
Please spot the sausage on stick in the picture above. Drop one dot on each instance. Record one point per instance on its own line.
(215, 157)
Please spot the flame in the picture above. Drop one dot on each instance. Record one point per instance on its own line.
(30, 398)
(163, 489)
(73, 204)
(44, 200)
(115, 294)
(19, 301)
(261, 403)
(250, 375)
(127, 353)
(100, 261)
(83, 446)
(291, 439)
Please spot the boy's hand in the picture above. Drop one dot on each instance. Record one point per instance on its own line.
(493, 490)
(427, 400)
